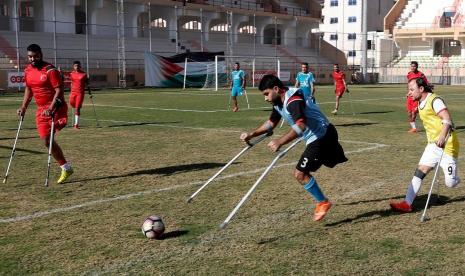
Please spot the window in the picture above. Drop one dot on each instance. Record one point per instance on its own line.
(248, 30)
(3, 8)
(158, 23)
(453, 43)
(352, 19)
(370, 45)
(333, 37)
(192, 25)
(26, 9)
(352, 2)
(220, 28)
(333, 20)
(352, 53)
(352, 36)
(334, 3)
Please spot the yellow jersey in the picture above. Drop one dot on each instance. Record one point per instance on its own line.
(433, 126)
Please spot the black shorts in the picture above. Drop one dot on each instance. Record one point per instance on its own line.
(324, 151)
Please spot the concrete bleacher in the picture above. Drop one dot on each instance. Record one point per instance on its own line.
(425, 14)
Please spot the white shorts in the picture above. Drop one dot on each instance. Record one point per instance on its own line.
(431, 157)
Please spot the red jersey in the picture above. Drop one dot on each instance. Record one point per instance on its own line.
(42, 82)
(78, 81)
(415, 75)
(339, 78)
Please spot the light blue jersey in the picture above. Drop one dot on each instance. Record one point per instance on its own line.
(306, 82)
(315, 121)
(237, 77)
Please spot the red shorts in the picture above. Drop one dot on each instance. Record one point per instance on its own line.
(412, 106)
(44, 123)
(340, 90)
(76, 99)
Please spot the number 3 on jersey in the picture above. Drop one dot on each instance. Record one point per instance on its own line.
(304, 162)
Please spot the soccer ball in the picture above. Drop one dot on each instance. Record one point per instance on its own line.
(153, 227)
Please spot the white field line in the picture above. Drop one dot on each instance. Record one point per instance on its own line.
(152, 191)
(166, 125)
(227, 110)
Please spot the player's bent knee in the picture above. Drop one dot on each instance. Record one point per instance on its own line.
(300, 176)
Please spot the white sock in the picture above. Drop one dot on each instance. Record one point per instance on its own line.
(413, 190)
(66, 166)
(76, 119)
(412, 125)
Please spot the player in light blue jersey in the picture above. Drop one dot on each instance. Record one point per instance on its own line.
(307, 121)
(237, 85)
(305, 80)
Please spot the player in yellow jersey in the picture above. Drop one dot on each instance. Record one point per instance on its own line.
(441, 137)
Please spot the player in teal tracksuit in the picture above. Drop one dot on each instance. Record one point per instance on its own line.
(237, 85)
(304, 81)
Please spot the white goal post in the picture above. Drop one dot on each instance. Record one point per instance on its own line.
(255, 67)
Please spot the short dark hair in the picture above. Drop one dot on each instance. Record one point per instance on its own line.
(304, 63)
(237, 63)
(421, 82)
(77, 62)
(414, 63)
(270, 81)
(336, 64)
(34, 48)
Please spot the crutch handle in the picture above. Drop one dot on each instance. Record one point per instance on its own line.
(259, 139)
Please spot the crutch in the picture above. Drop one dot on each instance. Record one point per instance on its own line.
(93, 107)
(350, 100)
(21, 119)
(252, 189)
(49, 160)
(249, 145)
(423, 215)
(247, 99)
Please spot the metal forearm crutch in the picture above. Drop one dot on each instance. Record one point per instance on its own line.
(247, 99)
(252, 189)
(49, 160)
(13, 151)
(93, 106)
(249, 145)
(350, 101)
(423, 215)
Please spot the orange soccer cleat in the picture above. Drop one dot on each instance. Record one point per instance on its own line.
(413, 130)
(321, 210)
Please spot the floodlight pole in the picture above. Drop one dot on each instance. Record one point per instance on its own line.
(185, 73)
(253, 72)
(216, 73)
(150, 26)
(54, 33)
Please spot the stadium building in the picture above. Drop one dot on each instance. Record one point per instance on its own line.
(111, 37)
(430, 32)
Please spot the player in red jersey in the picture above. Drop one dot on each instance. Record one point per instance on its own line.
(411, 105)
(44, 83)
(340, 85)
(78, 85)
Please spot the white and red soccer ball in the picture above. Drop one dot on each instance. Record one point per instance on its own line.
(153, 227)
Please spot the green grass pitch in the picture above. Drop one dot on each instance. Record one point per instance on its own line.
(155, 147)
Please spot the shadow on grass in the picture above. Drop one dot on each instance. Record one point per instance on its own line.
(173, 234)
(371, 200)
(166, 171)
(23, 150)
(376, 112)
(418, 206)
(19, 138)
(355, 124)
(143, 124)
